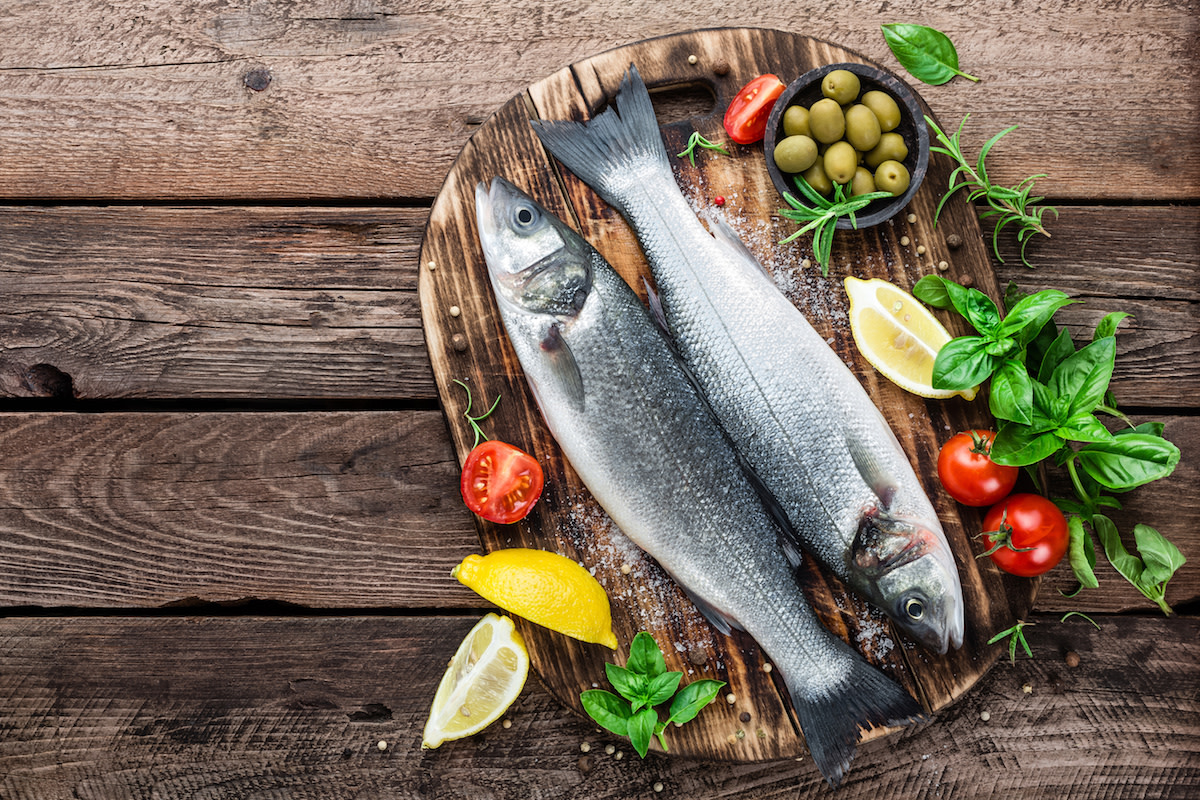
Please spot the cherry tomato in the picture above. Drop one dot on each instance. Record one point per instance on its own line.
(746, 117)
(969, 474)
(501, 482)
(1026, 534)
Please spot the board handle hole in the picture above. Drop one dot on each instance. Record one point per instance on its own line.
(684, 101)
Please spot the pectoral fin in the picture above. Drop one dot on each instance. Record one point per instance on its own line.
(872, 472)
(563, 368)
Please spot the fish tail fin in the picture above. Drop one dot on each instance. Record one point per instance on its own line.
(831, 722)
(603, 150)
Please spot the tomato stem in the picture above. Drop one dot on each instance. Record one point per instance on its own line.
(474, 421)
(1002, 538)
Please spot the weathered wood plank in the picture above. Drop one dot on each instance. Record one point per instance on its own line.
(339, 99)
(328, 510)
(321, 303)
(212, 302)
(186, 707)
(331, 510)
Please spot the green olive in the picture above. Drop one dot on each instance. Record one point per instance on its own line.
(795, 121)
(840, 85)
(817, 179)
(795, 153)
(891, 147)
(840, 162)
(826, 121)
(891, 176)
(863, 182)
(885, 108)
(862, 127)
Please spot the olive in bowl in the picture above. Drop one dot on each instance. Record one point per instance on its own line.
(871, 122)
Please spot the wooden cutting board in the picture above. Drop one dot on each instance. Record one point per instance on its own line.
(467, 341)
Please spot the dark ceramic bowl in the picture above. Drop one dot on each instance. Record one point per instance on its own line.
(806, 90)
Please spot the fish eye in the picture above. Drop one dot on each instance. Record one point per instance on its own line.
(524, 216)
(914, 608)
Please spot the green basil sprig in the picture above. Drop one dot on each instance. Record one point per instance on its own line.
(642, 684)
(927, 53)
(1045, 395)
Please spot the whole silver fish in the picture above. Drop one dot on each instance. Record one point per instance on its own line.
(794, 411)
(646, 445)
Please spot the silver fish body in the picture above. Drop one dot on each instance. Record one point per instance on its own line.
(644, 442)
(794, 411)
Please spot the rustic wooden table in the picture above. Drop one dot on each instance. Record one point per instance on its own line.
(228, 497)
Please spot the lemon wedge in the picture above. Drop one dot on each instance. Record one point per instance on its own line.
(898, 336)
(482, 681)
(544, 588)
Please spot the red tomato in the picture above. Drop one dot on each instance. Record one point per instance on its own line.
(746, 117)
(968, 473)
(501, 482)
(1027, 534)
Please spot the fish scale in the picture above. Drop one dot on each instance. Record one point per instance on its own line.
(645, 443)
(795, 413)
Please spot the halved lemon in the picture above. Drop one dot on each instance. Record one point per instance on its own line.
(483, 679)
(898, 336)
(544, 588)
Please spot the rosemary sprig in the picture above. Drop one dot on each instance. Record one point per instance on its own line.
(822, 216)
(696, 140)
(1006, 205)
(475, 420)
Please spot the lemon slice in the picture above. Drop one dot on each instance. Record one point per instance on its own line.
(542, 587)
(483, 679)
(898, 336)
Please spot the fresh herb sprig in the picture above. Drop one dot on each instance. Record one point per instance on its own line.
(822, 216)
(1005, 205)
(644, 683)
(1015, 634)
(478, 418)
(696, 140)
(1045, 395)
(927, 53)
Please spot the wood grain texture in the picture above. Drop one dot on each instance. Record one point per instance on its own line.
(283, 707)
(321, 303)
(324, 510)
(347, 99)
(212, 302)
(328, 510)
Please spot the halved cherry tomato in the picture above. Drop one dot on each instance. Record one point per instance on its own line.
(967, 471)
(1026, 534)
(746, 117)
(501, 482)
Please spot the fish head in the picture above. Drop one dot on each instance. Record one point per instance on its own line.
(906, 568)
(535, 262)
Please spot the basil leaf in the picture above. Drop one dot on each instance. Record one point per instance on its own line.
(1016, 446)
(692, 698)
(661, 688)
(1129, 460)
(641, 728)
(1161, 558)
(1013, 295)
(645, 656)
(1011, 393)
(1152, 428)
(1082, 554)
(1108, 325)
(629, 684)
(1084, 377)
(1059, 351)
(1000, 347)
(959, 296)
(1130, 567)
(609, 711)
(931, 290)
(962, 363)
(1084, 428)
(1027, 318)
(979, 310)
(927, 54)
